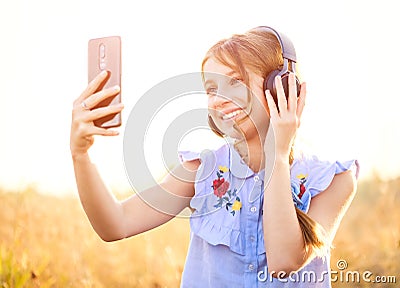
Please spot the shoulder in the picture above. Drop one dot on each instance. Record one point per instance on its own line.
(319, 173)
(195, 158)
(191, 165)
(310, 176)
(329, 207)
(342, 187)
(347, 180)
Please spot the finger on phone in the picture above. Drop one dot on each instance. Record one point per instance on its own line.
(104, 111)
(96, 98)
(94, 84)
(102, 131)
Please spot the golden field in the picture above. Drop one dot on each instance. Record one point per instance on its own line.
(47, 241)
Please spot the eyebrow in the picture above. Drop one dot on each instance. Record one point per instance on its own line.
(232, 72)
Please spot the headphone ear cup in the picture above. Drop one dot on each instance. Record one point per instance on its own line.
(269, 84)
(298, 87)
(214, 127)
(285, 84)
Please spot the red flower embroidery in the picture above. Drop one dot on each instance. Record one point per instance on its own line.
(303, 180)
(220, 187)
(302, 190)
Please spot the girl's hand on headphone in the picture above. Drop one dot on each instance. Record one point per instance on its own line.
(284, 123)
(83, 115)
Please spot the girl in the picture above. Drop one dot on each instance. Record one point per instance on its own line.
(261, 217)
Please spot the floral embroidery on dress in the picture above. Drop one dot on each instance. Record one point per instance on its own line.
(303, 179)
(298, 190)
(226, 197)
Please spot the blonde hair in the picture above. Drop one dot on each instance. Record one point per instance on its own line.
(259, 51)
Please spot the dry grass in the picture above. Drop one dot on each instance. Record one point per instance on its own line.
(369, 236)
(48, 242)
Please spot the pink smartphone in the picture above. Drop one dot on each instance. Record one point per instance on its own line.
(105, 54)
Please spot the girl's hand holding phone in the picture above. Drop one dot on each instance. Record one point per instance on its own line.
(84, 114)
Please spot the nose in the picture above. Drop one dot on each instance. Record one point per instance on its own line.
(218, 100)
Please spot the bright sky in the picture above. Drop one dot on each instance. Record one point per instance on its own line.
(346, 52)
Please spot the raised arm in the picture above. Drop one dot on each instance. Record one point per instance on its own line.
(110, 218)
(285, 245)
(114, 220)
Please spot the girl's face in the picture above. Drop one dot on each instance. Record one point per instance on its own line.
(237, 110)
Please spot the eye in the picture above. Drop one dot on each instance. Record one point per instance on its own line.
(235, 81)
(211, 91)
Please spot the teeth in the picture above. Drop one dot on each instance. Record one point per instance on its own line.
(231, 115)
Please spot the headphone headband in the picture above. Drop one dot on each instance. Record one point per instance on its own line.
(287, 46)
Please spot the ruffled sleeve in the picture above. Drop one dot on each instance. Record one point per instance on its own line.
(188, 155)
(311, 176)
(208, 160)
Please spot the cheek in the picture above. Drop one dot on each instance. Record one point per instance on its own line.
(260, 101)
(260, 111)
(260, 115)
(209, 102)
(211, 106)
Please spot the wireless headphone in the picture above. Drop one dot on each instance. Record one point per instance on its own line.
(289, 62)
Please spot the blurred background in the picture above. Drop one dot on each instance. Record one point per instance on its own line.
(346, 53)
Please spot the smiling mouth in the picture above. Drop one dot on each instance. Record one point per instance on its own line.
(232, 115)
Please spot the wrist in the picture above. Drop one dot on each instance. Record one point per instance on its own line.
(282, 163)
(277, 151)
(278, 162)
(79, 155)
(282, 158)
(278, 156)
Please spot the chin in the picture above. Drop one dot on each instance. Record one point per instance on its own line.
(235, 132)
